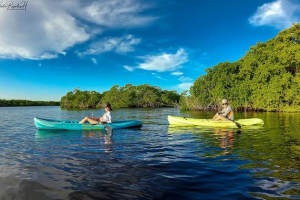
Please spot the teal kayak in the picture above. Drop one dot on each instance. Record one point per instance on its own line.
(74, 125)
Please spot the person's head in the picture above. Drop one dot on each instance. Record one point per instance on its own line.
(108, 107)
(225, 102)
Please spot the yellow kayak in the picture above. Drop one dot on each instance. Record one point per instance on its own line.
(183, 121)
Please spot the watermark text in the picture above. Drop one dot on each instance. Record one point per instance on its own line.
(9, 5)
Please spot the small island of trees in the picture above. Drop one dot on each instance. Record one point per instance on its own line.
(128, 96)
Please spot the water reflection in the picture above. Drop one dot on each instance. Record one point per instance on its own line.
(222, 139)
(105, 136)
(226, 137)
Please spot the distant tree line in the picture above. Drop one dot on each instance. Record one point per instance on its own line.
(14, 102)
(128, 96)
(266, 78)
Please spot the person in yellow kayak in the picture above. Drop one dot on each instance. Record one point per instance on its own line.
(226, 114)
(107, 117)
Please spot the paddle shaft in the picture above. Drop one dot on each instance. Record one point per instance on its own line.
(237, 124)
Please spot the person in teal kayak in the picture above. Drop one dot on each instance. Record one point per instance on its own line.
(106, 118)
(226, 113)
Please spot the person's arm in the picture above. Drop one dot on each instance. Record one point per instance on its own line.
(103, 120)
(226, 111)
(222, 111)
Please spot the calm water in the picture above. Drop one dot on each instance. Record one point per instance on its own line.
(152, 162)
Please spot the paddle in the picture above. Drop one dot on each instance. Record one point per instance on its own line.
(237, 124)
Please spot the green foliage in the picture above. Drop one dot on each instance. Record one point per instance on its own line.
(189, 102)
(128, 96)
(81, 99)
(266, 78)
(8, 103)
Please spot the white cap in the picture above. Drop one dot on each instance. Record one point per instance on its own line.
(224, 101)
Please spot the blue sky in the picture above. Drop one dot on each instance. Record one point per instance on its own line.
(56, 46)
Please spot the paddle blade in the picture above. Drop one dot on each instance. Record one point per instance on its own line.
(238, 125)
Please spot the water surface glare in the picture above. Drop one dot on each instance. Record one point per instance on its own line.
(155, 161)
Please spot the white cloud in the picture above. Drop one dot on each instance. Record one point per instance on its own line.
(94, 60)
(131, 69)
(48, 56)
(50, 27)
(39, 33)
(114, 13)
(165, 61)
(177, 73)
(159, 77)
(185, 79)
(118, 44)
(280, 14)
(185, 86)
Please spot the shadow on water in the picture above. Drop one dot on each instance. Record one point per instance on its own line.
(13, 188)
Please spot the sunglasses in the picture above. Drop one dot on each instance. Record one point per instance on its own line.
(224, 104)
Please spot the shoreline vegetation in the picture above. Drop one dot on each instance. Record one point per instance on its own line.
(18, 102)
(267, 78)
(128, 96)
